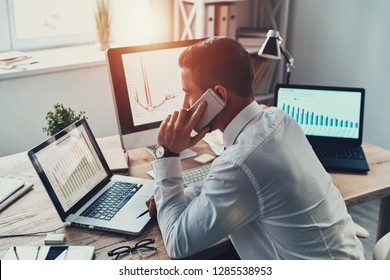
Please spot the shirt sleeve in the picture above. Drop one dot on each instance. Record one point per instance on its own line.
(191, 221)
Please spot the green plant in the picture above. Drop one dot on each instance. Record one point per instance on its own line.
(59, 118)
(103, 21)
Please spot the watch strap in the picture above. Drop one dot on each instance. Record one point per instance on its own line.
(168, 153)
(162, 152)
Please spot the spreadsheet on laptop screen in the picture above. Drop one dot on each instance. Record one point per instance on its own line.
(71, 166)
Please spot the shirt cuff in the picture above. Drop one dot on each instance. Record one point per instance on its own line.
(164, 168)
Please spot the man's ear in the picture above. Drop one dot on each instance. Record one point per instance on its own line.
(222, 92)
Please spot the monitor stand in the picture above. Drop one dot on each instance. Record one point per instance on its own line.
(188, 153)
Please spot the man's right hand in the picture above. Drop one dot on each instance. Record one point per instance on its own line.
(151, 203)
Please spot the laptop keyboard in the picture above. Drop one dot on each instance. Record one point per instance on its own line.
(111, 201)
(337, 151)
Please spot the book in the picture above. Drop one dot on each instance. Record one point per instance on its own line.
(251, 32)
(251, 38)
(210, 20)
(251, 41)
(11, 190)
(50, 253)
(232, 26)
(221, 20)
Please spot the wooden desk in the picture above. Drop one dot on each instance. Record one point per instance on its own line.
(35, 213)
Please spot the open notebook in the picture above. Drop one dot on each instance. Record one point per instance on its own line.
(50, 253)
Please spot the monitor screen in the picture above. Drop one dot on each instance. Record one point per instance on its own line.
(71, 165)
(331, 112)
(146, 87)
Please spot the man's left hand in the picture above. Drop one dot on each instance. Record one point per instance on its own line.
(175, 131)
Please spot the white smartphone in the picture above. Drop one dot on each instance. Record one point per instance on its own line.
(215, 105)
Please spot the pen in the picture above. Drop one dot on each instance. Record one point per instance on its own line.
(16, 253)
(36, 256)
(143, 213)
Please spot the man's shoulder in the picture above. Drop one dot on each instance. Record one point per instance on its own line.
(274, 111)
(266, 122)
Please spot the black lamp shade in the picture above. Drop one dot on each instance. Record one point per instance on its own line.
(270, 48)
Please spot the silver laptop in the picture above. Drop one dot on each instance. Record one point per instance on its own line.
(81, 186)
(332, 120)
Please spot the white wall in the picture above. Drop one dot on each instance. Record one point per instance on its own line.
(334, 43)
(345, 43)
(25, 101)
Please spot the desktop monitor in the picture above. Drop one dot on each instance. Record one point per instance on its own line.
(146, 87)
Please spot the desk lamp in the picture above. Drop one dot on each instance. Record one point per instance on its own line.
(271, 49)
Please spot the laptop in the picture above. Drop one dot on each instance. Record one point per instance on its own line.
(332, 120)
(81, 186)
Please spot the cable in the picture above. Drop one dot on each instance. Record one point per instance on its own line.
(38, 233)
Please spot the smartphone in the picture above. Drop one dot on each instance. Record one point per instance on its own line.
(215, 105)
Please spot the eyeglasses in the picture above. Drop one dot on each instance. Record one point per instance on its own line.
(144, 248)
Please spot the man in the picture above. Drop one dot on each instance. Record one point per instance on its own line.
(267, 191)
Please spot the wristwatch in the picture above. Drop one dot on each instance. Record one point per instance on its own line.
(161, 152)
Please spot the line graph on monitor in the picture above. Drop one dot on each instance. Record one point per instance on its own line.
(154, 89)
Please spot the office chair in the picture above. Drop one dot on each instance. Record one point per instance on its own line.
(382, 248)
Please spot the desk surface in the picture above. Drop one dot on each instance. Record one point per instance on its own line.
(35, 213)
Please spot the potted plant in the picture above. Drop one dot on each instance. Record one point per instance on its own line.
(59, 118)
(103, 23)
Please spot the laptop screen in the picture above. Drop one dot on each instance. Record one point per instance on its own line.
(333, 112)
(70, 164)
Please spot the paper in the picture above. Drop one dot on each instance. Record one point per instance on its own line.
(9, 187)
(12, 57)
(214, 140)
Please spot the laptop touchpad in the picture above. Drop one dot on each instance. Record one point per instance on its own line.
(138, 206)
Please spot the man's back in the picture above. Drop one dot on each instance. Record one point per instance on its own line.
(300, 214)
(267, 190)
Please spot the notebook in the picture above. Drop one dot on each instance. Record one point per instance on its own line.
(332, 120)
(81, 186)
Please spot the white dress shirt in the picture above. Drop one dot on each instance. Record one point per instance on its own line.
(267, 191)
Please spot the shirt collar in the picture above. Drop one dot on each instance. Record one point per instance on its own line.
(239, 122)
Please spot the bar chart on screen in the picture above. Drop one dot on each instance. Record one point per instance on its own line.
(316, 124)
(323, 117)
(74, 171)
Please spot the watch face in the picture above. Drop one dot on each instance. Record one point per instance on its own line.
(159, 152)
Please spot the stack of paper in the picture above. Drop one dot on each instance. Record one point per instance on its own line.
(15, 59)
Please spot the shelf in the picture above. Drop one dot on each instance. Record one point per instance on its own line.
(58, 59)
(199, 20)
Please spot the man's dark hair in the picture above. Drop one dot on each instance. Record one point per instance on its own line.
(220, 60)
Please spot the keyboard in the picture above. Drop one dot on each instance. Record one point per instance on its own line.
(339, 151)
(192, 175)
(195, 174)
(111, 201)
